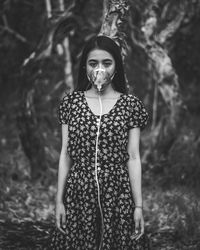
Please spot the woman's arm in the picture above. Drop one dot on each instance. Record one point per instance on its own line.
(135, 174)
(134, 165)
(63, 169)
(64, 164)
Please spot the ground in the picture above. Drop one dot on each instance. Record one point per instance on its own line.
(172, 213)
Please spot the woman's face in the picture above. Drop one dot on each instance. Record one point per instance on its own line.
(103, 60)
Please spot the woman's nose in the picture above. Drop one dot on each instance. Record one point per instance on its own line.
(100, 66)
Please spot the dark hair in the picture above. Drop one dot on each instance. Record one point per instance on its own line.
(107, 44)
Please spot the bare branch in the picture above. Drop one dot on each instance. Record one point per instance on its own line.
(5, 20)
(135, 41)
(13, 32)
(172, 26)
(61, 5)
(68, 65)
(48, 8)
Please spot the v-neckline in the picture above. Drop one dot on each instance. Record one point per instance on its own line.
(114, 106)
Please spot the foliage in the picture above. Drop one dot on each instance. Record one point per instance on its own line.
(180, 164)
(172, 217)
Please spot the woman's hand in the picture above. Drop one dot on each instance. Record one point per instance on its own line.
(60, 216)
(139, 223)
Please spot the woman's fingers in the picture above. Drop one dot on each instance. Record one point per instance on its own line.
(60, 217)
(137, 224)
(141, 229)
(63, 220)
(142, 226)
(59, 223)
(60, 228)
(135, 235)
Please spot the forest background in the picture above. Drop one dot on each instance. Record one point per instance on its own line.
(40, 46)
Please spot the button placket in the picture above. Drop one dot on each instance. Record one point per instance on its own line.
(98, 121)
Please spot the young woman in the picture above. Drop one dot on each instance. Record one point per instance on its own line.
(99, 197)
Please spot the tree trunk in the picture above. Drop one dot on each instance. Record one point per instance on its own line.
(27, 120)
(154, 43)
(114, 12)
(67, 56)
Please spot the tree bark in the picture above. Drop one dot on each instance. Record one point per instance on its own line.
(114, 13)
(67, 56)
(154, 43)
(27, 119)
(27, 122)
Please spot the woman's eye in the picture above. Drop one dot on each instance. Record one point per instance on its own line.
(107, 64)
(93, 65)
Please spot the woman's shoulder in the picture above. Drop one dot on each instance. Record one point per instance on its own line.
(132, 98)
(71, 96)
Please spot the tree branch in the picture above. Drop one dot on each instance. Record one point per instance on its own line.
(13, 32)
(48, 8)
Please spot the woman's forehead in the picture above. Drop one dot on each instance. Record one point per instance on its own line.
(98, 54)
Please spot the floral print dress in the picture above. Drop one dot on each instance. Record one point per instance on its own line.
(84, 227)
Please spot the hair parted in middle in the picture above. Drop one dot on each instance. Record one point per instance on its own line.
(107, 44)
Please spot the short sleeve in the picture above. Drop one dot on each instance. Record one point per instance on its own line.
(138, 116)
(64, 110)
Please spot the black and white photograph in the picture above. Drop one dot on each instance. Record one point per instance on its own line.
(99, 125)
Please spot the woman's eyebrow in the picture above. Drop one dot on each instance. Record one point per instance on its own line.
(107, 60)
(92, 60)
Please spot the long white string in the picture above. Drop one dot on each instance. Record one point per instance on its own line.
(96, 174)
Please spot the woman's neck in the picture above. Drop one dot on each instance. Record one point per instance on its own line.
(109, 91)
